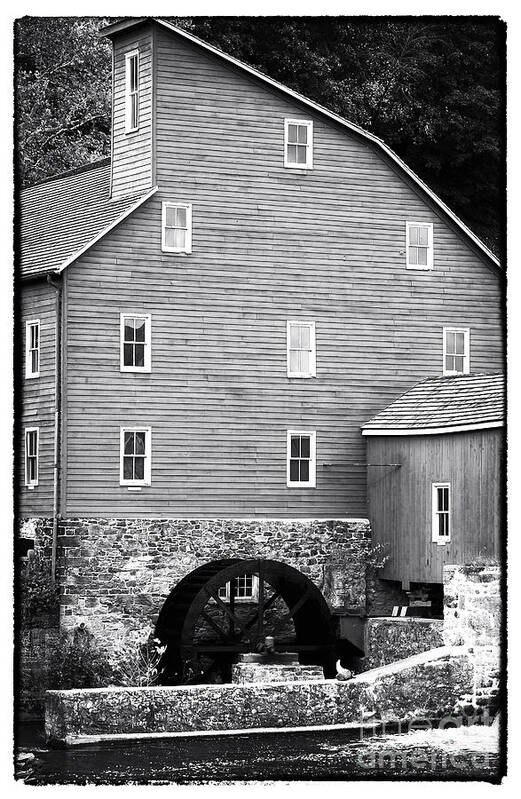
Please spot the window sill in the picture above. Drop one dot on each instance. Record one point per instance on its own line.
(31, 487)
(132, 370)
(32, 377)
(420, 268)
(300, 377)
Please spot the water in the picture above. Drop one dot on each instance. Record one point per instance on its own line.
(466, 753)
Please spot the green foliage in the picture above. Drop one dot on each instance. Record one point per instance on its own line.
(431, 88)
(38, 594)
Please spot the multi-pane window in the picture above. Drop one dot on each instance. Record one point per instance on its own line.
(32, 348)
(245, 588)
(301, 461)
(456, 350)
(32, 435)
(177, 227)
(298, 143)
(131, 91)
(135, 456)
(441, 513)
(419, 245)
(135, 343)
(301, 349)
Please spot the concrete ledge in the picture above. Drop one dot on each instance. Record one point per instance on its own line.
(423, 686)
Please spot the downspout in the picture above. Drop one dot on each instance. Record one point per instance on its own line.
(57, 406)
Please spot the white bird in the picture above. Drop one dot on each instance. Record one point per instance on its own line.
(341, 672)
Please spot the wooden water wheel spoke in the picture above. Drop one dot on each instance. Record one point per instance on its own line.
(233, 618)
(208, 619)
(257, 612)
(289, 615)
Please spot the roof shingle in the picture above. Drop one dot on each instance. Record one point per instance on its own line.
(60, 218)
(440, 403)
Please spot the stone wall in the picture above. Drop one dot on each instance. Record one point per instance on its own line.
(390, 639)
(472, 618)
(425, 686)
(116, 573)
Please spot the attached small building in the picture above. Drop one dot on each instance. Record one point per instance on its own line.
(434, 471)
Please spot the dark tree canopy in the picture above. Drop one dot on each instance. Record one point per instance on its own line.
(431, 88)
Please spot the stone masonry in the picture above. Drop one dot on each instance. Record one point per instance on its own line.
(115, 574)
(472, 618)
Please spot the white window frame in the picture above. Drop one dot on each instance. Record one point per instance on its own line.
(309, 146)
(129, 128)
(254, 591)
(188, 241)
(311, 483)
(148, 449)
(312, 352)
(466, 352)
(147, 342)
(430, 248)
(32, 484)
(29, 374)
(436, 538)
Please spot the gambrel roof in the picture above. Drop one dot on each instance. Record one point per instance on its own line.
(64, 216)
(116, 27)
(443, 405)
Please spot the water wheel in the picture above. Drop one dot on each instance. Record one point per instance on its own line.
(204, 625)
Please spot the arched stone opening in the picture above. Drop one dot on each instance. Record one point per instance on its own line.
(205, 625)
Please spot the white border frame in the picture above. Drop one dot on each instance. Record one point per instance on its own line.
(26, 480)
(187, 249)
(430, 246)
(148, 342)
(309, 147)
(148, 449)
(312, 460)
(28, 373)
(128, 107)
(436, 539)
(466, 354)
(313, 352)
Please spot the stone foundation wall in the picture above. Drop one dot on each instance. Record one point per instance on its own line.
(390, 639)
(115, 574)
(472, 618)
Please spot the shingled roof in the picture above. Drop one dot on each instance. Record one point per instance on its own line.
(63, 217)
(443, 405)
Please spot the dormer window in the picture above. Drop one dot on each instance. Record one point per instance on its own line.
(298, 143)
(131, 91)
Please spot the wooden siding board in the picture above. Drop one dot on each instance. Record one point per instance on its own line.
(37, 396)
(269, 244)
(400, 500)
(132, 152)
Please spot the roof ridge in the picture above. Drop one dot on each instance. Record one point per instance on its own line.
(74, 171)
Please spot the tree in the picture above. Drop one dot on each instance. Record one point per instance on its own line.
(62, 95)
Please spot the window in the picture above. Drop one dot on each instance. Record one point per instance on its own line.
(32, 435)
(419, 245)
(301, 465)
(246, 589)
(135, 456)
(32, 348)
(131, 91)
(456, 350)
(298, 143)
(177, 227)
(301, 349)
(441, 513)
(135, 343)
